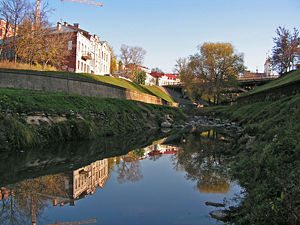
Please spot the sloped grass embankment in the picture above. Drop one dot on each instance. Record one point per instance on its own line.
(267, 160)
(80, 117)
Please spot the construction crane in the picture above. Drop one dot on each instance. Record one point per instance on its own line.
(86, 2)
(76, 222)
(38, 12)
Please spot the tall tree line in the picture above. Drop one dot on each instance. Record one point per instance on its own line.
(33, 41)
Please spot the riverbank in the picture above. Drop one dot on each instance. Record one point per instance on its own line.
(34, 118)
(267, 159)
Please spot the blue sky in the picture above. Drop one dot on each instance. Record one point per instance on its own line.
(169, 29)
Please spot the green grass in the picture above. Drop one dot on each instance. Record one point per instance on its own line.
(269, 169)
(159, 92)
(151, 90)
(287, 78)
(119, 82)
(101, 117)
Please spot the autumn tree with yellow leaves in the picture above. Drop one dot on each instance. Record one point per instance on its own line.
(211, 72)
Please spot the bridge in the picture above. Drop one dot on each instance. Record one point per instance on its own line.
(246, 83)
(249, 83)
(176, 90)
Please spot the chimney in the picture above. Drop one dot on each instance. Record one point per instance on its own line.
(58, 27)
(76, 25)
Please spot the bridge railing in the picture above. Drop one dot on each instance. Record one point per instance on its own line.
(170, 83)
(257, 78)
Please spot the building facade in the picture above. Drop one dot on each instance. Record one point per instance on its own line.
(3, 28)
(87, 53)
(268, 68)
(162, 79)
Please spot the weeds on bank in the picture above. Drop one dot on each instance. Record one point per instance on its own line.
(268, 170)
(100, 117)
(24, 66)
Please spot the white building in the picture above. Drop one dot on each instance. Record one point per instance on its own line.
(268, 68)
(88, 53)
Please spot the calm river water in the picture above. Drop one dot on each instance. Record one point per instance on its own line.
(140, 179)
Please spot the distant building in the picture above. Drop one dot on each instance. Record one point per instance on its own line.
(251, 75)
(268, 72)
(268, 68)
(9, 32)
(164, 79)
(89, 54)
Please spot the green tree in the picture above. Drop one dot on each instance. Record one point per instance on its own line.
(211, 72)
(140, 77)
(113, 61)
(156, 69)
(286, 51)
(120, 66)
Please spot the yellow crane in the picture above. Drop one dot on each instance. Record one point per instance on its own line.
(86, 2)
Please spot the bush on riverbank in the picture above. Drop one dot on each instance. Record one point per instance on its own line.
(269, 167)
(80, 117)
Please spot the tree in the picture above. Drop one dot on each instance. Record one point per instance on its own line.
(156, 69)
(129, 169)
(131, 57)
(140, 77)
(212, 71)
(113, 61)
(41, 45)
(201, 156)
(13, 12)
(120, 66)
(286, 50)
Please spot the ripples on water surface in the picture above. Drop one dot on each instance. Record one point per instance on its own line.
(166, 182)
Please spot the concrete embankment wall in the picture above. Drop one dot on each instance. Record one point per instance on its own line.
(44, 81)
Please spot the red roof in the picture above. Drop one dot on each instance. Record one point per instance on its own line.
(154, 153)
(158, 75)
(171, 76)
(170, 151)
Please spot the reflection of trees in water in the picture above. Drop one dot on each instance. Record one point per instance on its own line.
(10, 211)
(30, 199)
(128, 167)
(201, 157)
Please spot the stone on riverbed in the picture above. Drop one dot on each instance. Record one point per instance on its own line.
(219, 215)
(166, 124)
(215, 204)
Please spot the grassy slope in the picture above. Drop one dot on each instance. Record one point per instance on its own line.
(101, 117)
(287, 78)
(151, 90)
(269, 169)
(159, 92)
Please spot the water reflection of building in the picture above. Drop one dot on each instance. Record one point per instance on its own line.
(159, 149)
(4, 193)
(84, 181)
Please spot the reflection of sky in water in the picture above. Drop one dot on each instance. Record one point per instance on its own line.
(162, 196)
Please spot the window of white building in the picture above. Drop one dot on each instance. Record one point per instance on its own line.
(69, 45)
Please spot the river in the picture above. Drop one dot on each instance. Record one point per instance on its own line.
(145, 178)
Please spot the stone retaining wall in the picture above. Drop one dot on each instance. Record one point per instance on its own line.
(46, 81)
